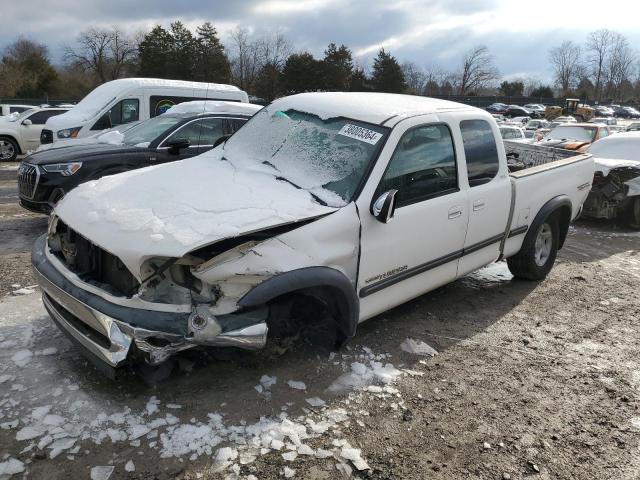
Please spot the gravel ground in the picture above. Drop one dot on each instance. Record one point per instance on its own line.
(532, 380)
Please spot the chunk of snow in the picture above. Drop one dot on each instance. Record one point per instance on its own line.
(6, 378)
(418, 347)
(315, 401)
(267, 382)
(111, 138)
(28, 433)
(11, 467)
(22, 357)
(353, 455)
(47, 351)
(102, 472)
(60, 446)
(305, 450)
(297, 385)
(290, 456)
(152, 405)
(23, 291)
(226, 454)
(289, 472)
(129, 466)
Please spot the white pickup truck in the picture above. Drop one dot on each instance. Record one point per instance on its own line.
(342, 203)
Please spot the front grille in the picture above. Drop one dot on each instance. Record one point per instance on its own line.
(28, 176)
(46, 136)
(91, 263)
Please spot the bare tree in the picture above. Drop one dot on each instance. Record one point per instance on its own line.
(274, 49)
(414, 77)
(244, 57)
(620, 66)
(102, 52)
(478, 70)
(566, 63)
(598, 46)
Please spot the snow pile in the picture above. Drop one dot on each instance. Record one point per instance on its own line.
(495, 272)
(362, 375)
(213, 106)
(418, 347)
(10, 467)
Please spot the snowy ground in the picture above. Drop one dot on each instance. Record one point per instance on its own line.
(485, 378)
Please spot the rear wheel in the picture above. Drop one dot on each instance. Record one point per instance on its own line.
(8, 149)
(536, 262)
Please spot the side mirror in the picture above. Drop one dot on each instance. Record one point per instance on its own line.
(27, 122)
(222, 139)
(384, 207)
(177, 144)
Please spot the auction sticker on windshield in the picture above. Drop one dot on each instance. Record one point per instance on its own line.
(360, 133)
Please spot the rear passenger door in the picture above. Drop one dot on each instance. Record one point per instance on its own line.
(418, 250)
(489, 199)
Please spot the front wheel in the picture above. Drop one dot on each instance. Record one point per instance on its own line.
(8, 149)
(536, 262)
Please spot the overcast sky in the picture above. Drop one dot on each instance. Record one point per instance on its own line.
(427, 32)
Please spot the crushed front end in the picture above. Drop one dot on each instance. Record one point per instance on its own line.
(118, 319)
(612, 196)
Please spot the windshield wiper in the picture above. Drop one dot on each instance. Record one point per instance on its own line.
(315, 197)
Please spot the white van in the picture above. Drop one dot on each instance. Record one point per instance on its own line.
(131, 100)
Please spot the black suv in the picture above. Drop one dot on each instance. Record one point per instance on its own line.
(44, 177)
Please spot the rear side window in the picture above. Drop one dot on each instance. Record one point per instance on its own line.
(423, 166)
(41, 117)
(200, 132)
(480, 151)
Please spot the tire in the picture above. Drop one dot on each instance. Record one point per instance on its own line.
(9, 149)
(536, 262)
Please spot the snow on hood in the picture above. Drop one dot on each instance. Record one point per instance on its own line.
(168, 210)
(214, 106)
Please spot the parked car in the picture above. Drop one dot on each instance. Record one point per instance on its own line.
(184, 131)
(536, 124)
(604, 120)
(618, 128)
(498, 108)
(633, 127)
(8, 109)
(602, 111)
(536, 107)
(322, 199)
(130, 100)
(630, 112)
(20, 132)
(516, 111)
(519, 121)
(565, 120)
(575, 137)
(509, 132)
(615, 193)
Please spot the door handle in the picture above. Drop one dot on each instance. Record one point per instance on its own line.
(478, 205)
(455, 212)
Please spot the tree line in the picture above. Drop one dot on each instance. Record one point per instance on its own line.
(267, 66)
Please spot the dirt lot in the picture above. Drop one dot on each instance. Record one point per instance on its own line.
(531, 381)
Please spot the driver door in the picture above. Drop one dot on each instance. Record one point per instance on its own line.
(419, 248)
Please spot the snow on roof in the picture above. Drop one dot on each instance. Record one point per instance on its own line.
(101, 96)
(367, 107)
(214, 106)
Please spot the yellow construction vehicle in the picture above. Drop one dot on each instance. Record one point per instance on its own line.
(572, 108)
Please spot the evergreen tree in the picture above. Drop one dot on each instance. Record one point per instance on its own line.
(359, 81)
(542, 92)
(183, 53)
(212, 62)
(337, 68)
(155, 53)
(301, 73)
(387, 74)
(269, 84)
(512, 89)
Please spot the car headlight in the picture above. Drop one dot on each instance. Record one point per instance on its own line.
(69, 132)
(65, 169)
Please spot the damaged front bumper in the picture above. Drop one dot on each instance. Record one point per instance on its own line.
(113, 334)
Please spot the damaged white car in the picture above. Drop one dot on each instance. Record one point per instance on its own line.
(331, 205)
(616, 184)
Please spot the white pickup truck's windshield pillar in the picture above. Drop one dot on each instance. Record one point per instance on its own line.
(327, 157)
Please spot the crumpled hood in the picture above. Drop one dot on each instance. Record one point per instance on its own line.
(171, 209)
(567, 144)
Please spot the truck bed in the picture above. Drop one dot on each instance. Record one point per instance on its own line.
(521, 156)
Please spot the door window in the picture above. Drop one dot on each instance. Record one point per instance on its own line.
(125, 111)
(604, 132)
(41, 117)
(202, 132)
(480, 151)
(423, 166)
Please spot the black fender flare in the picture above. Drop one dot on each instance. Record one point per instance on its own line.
(346, 299)
(559, 204)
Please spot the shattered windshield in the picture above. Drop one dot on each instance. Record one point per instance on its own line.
(582, 134)
(328, 158)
